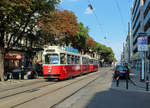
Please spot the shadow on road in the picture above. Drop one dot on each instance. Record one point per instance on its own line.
(119, 99)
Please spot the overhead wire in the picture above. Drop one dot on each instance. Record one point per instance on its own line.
(97, 19)
(92, 9)
(120, 13)
(121, 18)
(90, 6)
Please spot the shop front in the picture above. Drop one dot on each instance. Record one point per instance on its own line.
(12, 60)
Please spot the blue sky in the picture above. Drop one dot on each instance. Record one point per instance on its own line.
(110, 18)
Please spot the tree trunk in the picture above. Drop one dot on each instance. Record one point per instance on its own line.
(2, 34)
(2, 64)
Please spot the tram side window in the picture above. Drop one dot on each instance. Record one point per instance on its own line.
(68, 59)
(73, 59)
(84, 60)
(96, 61)
(87, 60)
(77, 60)
(62, 58)
(91, 61)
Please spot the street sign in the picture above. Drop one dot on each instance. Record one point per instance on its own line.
(142, 44)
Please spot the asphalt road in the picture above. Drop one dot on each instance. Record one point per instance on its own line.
(103, 94)
(43, 94)
(119, 99)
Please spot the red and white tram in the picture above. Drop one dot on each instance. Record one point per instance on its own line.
(93, 64)
(62, 64)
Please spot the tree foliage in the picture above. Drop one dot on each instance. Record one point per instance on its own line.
(18, 20)
(81, 38)
(91, 44)
(86, 44)
(61, 23)
(106, 53)
(40, 23)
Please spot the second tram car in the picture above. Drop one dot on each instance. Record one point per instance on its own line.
(93, 64)
(62, 64)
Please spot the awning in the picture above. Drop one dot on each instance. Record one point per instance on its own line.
(13, 56)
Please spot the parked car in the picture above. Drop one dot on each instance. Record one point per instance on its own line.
(25, 73)
(121, 71)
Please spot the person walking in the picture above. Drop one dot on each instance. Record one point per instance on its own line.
(35, 66)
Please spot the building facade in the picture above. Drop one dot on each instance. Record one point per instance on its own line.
(140, 21)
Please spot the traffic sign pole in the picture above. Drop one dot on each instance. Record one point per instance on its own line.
(142, 47)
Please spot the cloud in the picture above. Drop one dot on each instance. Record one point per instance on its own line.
(88, 11)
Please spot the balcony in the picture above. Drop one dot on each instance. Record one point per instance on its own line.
(135, 6)
(135, 16)
(147, 18)
(134, 46)
(145, 5)
(148, 31)
(136, 25)
(136, 35)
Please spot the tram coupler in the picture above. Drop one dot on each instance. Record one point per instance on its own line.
(147, 83)
(117, 81)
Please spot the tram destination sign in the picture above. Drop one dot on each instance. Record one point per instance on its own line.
(142, 44)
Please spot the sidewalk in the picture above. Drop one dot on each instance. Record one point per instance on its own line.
(10, 84)
(134, 83)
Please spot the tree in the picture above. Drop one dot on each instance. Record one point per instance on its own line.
(81, 37)
(18, 18)
(90, 45)
(61, 24)
(106, 53)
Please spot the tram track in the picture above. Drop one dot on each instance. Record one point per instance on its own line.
(28, 90)
(62, 100)
(57, 89)
(24, 91)
(22, 85)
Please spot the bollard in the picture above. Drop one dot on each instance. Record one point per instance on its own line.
(117, 82)
(147, 83)
(10, 77)
(127, 82)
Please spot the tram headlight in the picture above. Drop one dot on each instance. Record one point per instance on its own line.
(49, 69)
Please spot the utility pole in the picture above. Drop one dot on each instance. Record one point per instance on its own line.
(143, 53)
(129, 47)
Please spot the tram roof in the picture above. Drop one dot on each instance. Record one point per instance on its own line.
(58, 49)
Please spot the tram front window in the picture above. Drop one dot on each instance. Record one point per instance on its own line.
(52, 59)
